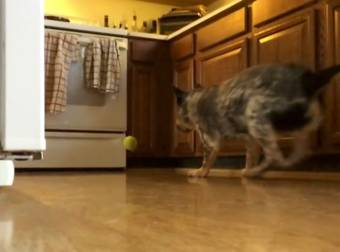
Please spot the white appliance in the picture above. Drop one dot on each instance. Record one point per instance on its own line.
(89, 134)
(88, 110)
(22, 134)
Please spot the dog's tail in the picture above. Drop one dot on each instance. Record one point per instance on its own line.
(314, 82)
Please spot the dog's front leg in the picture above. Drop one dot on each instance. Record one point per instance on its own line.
(208, 161)
(210, 152)
(253, 152)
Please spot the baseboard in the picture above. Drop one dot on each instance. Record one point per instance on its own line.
(296, 175)
(6, 172)
(317, 163)
(169, 162)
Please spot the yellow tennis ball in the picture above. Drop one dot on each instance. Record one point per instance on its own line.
(130, 143)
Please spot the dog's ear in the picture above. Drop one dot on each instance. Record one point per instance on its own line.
(198, 86)
(180, 95)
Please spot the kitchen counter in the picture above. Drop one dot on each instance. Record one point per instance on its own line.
(85, 28)
(125, 33)
(234, 4)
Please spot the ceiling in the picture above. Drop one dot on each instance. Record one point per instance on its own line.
(182, 2)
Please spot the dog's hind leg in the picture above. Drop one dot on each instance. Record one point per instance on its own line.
(300, 149)
(264, 135)
(301, 138)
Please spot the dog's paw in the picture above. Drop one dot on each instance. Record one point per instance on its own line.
(200, 173)
(251, 173)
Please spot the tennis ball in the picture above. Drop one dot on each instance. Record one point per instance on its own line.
(130, 143)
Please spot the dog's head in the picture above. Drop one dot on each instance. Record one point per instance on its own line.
(183, 121)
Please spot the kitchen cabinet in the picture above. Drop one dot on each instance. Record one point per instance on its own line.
(183, 48)
(330, 136)
(184, 142)
(142, 112)
(150, 97)
(214, 60)
(222, 29)
(305, 32)
(288, 40)
(182, 51)
(218, 65)
(291, 40)
(267, 10)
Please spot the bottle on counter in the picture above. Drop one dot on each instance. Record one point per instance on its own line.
(144, 27)
(134, 26)
(106, 21)
(153, 26)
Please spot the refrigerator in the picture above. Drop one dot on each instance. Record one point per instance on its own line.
(22, 135)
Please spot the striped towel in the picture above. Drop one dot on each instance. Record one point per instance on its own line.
(102, 66)
(60, 50)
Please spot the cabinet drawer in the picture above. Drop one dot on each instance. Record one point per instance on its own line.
(144, 50)
(215, 66)
(291, 40)
(264, 10)
(183, 47)
(222, 29)
(81, 150)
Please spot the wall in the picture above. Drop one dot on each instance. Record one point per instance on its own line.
(217, 4)
(93, 11)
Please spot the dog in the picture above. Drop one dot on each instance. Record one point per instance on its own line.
(259, 104)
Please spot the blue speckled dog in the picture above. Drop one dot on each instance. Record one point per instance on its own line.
(259, 103)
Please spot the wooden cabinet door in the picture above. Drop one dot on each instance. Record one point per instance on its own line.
(150, 99)
(291, 40)
(331, 130)
(141, 107)
(216, 66)
(184, 143)
(164, 109)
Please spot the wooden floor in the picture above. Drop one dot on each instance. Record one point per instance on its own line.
(159, 210)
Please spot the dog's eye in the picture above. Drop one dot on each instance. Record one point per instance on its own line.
(183, 129)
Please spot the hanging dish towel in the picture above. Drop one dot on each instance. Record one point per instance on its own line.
(92, 64)
(102, 66)
(60, 50)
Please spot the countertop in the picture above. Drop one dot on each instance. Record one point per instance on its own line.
(121, 32)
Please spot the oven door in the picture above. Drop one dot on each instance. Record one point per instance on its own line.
(88, 110)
